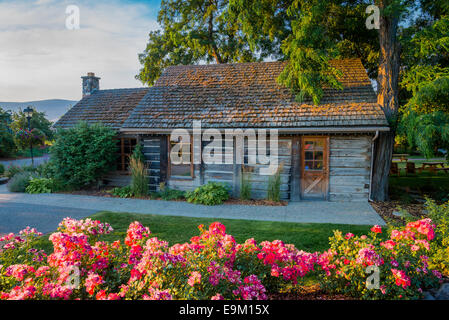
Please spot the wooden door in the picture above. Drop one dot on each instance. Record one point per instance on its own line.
(314, 167)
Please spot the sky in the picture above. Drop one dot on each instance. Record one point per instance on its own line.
(40, 58)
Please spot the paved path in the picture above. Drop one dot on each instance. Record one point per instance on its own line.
(17, 216)
(360, 213)
(25, 161)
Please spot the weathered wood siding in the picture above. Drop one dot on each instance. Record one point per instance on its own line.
(185, 184)
(350, 161)
(152, 146)
(259, 183)
(349, 173)
(231, 173)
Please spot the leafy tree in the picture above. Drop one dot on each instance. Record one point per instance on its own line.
(425, 79)
(37, 121)
(192, 32)
(426, 70)
(83, 154)
(309, 49)
(309, 34)
(427, 132)
(7, 145)
(392, 12)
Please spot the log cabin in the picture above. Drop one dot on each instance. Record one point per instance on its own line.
(325, 150)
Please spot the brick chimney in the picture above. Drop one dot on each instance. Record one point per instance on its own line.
(91, 83)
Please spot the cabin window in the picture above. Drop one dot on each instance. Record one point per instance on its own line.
(125, 149)
(184, 169)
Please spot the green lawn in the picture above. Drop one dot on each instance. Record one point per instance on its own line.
(425, 183)
(433, 186)
(306, 236)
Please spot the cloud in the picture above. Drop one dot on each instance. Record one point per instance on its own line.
(41, 59)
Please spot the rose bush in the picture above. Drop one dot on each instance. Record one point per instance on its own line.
(211, 266)
(400, 260)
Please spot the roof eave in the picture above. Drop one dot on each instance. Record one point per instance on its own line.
(349, 129)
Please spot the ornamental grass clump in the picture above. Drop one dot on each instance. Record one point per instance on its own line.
(245, 185)
(139, 179)
(274, 185)
(19, 182)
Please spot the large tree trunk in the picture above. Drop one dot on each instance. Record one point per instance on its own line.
(387, 98)
(383, 152)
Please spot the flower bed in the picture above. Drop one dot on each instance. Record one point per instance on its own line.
(106, 192)
(211, 266)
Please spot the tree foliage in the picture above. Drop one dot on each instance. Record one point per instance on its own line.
(309, 34)
(192, 32)
(426, 132)
(425, 79)
(7, 145)
(309, 49)
(426, 68)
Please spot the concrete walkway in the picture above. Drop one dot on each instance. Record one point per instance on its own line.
(360, 213)
(25, 161)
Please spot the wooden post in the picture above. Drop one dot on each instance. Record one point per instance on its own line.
(122, 151)
(295, 192)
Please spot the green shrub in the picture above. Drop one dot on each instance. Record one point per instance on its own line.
(7, 145)
(123, 192)
(167, 194)
(46, 170)
(2, 169)
(40, 185)
(274, 186)
(209, 194)
(12, 171)
(245, 186)
(139, 182)
(439, 258)
(83, 154)
(172, 194)
(19, 182)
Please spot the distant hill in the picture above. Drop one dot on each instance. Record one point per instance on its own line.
(53, 108)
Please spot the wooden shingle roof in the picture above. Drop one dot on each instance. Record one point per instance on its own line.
(246, 95)
(110, 107)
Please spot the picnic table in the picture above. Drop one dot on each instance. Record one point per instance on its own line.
(433, 166)
(401, 156)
